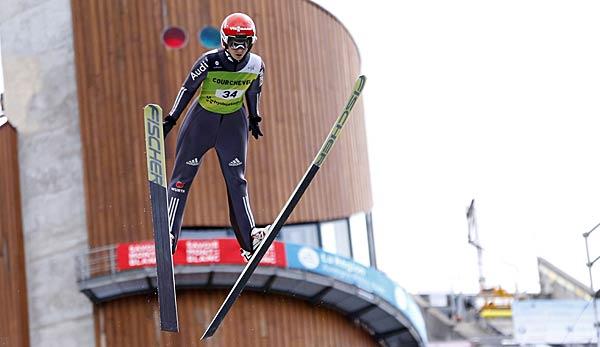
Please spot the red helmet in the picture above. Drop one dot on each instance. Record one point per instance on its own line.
(238, 28)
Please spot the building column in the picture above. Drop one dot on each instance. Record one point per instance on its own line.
(41, 102)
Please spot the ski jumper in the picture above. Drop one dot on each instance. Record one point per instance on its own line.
(217, 120)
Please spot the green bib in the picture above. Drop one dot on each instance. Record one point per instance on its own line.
(223, 91)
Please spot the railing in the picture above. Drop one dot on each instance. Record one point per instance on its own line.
(96, 262)
(113, 259)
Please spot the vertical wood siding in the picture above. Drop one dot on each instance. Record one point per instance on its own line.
(255, 320)
(311, 64)
(14, 326)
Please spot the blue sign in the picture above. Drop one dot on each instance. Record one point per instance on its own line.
(366, 278)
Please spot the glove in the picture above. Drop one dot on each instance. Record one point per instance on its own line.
(254, 126)
(168, 124)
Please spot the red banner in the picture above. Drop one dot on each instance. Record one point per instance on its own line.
(195, 252)
(135, 255)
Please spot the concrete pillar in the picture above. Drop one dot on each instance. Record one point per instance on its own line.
(41, 102)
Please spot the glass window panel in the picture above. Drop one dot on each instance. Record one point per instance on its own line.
(328, 237)
(335, 237)
(302, 234)
(360, 239)
(216, 233)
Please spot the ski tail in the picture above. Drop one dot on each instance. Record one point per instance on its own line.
(157, 181)
(287, 210)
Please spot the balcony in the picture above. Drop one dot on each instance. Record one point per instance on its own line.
(362, 294)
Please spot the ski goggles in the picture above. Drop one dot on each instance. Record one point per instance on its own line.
(239, 42)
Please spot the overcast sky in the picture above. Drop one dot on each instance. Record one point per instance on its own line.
(493, 100)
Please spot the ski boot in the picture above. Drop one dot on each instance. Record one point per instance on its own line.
(258, 235)
(174, 239)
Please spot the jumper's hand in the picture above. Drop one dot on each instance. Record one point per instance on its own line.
(168, 124)
(254, 126)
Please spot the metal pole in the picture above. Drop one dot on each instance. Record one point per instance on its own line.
(589, 265)
(480, 266)
(474, 240)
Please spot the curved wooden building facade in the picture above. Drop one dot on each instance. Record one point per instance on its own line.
(311, 64)
(257, 320)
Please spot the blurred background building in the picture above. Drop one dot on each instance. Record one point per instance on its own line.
(561, 314)
(77, 264)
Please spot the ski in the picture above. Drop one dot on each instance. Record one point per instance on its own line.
(312, 170)
(157, 181)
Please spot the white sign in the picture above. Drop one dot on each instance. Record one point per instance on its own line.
(553, 322)
(229, 94)
(308, 258)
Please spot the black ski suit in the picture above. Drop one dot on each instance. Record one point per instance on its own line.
(217, 119)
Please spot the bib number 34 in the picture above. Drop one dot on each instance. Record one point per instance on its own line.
(228, 94)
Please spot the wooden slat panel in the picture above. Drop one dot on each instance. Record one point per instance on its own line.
(14, 326)
(256, 320)
(117, 62)
(311, 65)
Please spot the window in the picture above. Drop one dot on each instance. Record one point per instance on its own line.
(360, 239)
(335, 237)
(302, 234)
(349, 237)
(209, 233)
